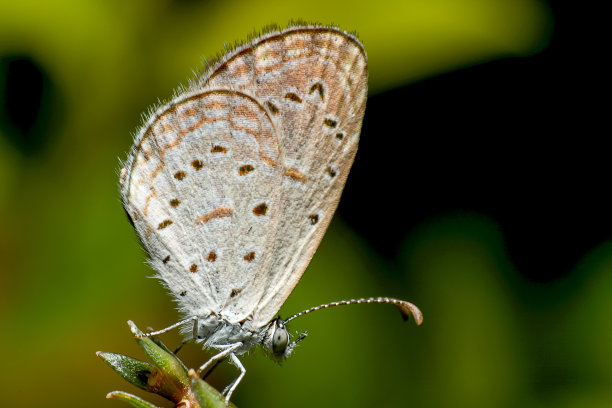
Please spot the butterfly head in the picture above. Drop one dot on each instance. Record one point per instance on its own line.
(276, 340)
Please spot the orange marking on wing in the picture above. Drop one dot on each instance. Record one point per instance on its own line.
(260, 209)
(188, 112)
(239, 67)
(159, 167)
(215, 105)
(300, 42)
(244, 111)
(286, 58)
(269, 68)
(164, 224)
(212, 256)
(184, 132)
(219, 212)
(295, 174)
(218, 149)
(243, 170)
(197, 164)
(145, 209)
(266, 159)
(305, 53)
(167, 127)
(270, 53)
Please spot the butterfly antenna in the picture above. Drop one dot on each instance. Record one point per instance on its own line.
(407, 308)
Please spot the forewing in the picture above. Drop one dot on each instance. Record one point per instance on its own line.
(199, 185)
(313, 83)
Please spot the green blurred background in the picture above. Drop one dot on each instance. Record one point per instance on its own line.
(486, 206)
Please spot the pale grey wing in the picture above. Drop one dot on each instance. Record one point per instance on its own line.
(313, 82)
(200, 185)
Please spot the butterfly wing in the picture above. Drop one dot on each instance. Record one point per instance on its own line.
(199, 185)
(312, 81)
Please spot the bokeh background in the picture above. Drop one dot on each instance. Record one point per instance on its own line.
(480, 193)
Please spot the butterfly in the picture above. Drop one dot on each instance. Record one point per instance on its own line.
(232, 184)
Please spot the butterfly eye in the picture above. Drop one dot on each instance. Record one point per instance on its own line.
(280, 340)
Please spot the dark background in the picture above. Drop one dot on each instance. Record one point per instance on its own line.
(518, 139)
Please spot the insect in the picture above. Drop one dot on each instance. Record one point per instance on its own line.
(231, 185)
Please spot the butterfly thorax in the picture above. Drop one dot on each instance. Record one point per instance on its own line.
(214, 331)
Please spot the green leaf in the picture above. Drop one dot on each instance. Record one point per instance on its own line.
(162, 357)
(168, 376)
(133, 400)
(207, 396)
(161, 344)
(134, 371)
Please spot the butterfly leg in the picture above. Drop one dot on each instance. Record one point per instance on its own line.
(174, 326)
(229, 390)
(227, 349)
(180, 346)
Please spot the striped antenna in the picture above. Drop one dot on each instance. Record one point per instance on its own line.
(407, 308)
